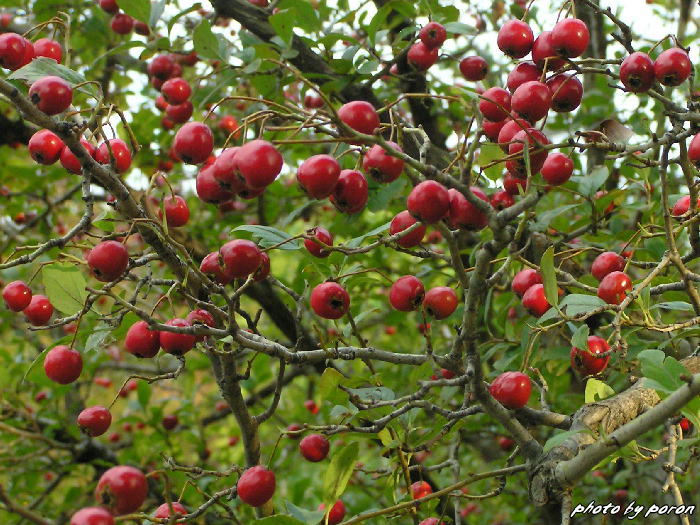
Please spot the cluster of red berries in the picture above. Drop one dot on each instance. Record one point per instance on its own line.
(671, 68)
(16, 51)
(236, 259)
(121, 23)
(424, 53)
(18, 297)
(614, 283)
(408, 293)
(528, 285)
(165, 72)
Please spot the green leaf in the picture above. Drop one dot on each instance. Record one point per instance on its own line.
(157, 9)
(65, 287)
(177, 17)
(42, 66)
(664, 371)
(576, 303)
(673, 305)
(580, 337)
(328, 385)
(375, 393)
(558, 439)
(459, 28)
(268, 236)
(547, 216)
(488, 153)
(549, 278)
(97, 337)
(357, 241)
(589, 184)
(205, 42)
(138, 9)
(143, 391)
(307, 517)
(339, 471)
(379, 199)
(283, 24)
(279, 519)
(597, 391)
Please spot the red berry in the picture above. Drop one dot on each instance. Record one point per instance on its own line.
(360, 116)
(402, 221)
(605, 263)
(109, 6)
(672, 67)
(310, 404)
(350, 193)
(429, 201)
(682, 206)
(70, 162)
(177, 213)
(474, 68)
(515, 39)
(180, 113)
(45, 47)
(121, 155)
(534, 300)
(256, 486)
(686, 425)
(122, 489)
(440, 302)
(17, 296)
(229, 124)
(535, 140)
(495, 104)
(312, 100)
(94, 421)
(141, 28)
(407, 293)
(523, 72)
(318, 175)
(226, 170)
(176, 343)
(381, 166)
(614, 287)
(502, 200)
(45, 147)
(336, 514)
(330, 300)
(513, 184)
(208, 188)
(108, 260)
(511, 389)
(557, 169)
(694, 151)
(240, 258)
(506, 444)
(509, 130)
(637, 72)
(122, 24)
(588, 363)
(141, 341)
(201, 317)
(422, 57)
(39, 310)
(259, 162)
(420, 489)
(62, 364)
(194, 143)
(570, 37)
(524, 279)
(212, 267)
(92, 516)
(263, 271)
(433, 35)
(543, 52)
(176, 91)
(532, 100)
(169, 422)
(492, 129)
(28, 53)
(314, 447)
(161, 67)
(567, 92)
(51, 94)
(164, 511)
(463, 214)
(315, 248)
(12, 50)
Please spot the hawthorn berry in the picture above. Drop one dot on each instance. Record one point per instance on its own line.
(567, 92)
(209, 189)
(51, 95)
(194, 143)
(164, 511)
(494, 104)
(316, 249)
(524, 279)
(122, 489)
(557, 168)
(141, 28)
(45, 47)
(515, 39)
(510, 128)
(672, 67)
(511, 389)
(463, 214)
(211, 266)
(120, 157)
(502, 200)
(513, 184)
(535, 140)
(176, 343)
(531, 100)
(39, 310)
(544, 54)
(330, 300)
(406, 293)
(694, 150)
(229, 124)
(310, 404)
(169, 422)
(313, 101)
(259, 163)
(178, 114)
(588, 363)
(682, 206)
(177, 213)
(570, 37)
(351, 192)
(402, 221)
(614, 287)
(108, 260)
(360, 116)
(422, 57)
(256, 486)
(17, 296)
(381, 166)
(492, 129)
(336, 514)
(92, 516)
(314, 447)
(95, 420)
(534, 300)
(176, 90)
(12, 51)
(122, 24)
(318, 175)
(420, 489)
(70, 162)
(523, 72)
(45, 147)
(141, 341)
(62, 364)
(433, 35)
(440, 302)
(505, 443)
(637, 72)
(428, 202)
(240, 258)
(474, 68)
(605, 263)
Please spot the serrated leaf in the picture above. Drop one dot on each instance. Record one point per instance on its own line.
(41, 67)
(339, 472)
(663, 370)
(597, 391)
(138, 9)
(97, 338)
(580, 337)
(65, 287)
(575, 304)
(549, 278)
(205, 42)
(268, 236)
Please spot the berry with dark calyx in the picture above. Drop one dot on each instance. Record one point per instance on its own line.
(161, 67)
(336, 514)
(523, 72)
(433, 35)
(109, 6)
(637, 72)
(108, 260)
(535, 140)
(672, 67)
(240, 257)
(614, 287)
(502, 200)
(45, 147)
(511, 389)
(407, 293)
(543, 52)
(250, 193)
(51, 95)
(534, 300)
(174, 343)
(360, 116)
(92, 516)
(567, 92)
(120, 153)
(62, 364)
(164, 511)
(70, 162)
(316, 249)
(440, 302)
(330, 300)
(194, 143)
(381, 166)
(509, 130)
(176, 90)
(524, 279)
(420, 489)
(259, 163)
(588, 363)
(513, 185)
(422, 57)
(122, 24)
(38, 311)
(570, 37)
(351, 192)
(494, 104)
(263, 271)
(318, 175)
(463, 214)
(605, 263)
(45, 47)
(211, 266)
(428, 202)
(177, 213)
(474, 68)
(531, 100)
(557, 168)
(94, 421)
(141, 341)
(12, 50)
(401, 222)
(122, 489)
(180, 113)
(256, 486)
(17, 296)
(314, 447)
(208, 188)
(492, 129)
(169, 422)
(515, 39)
